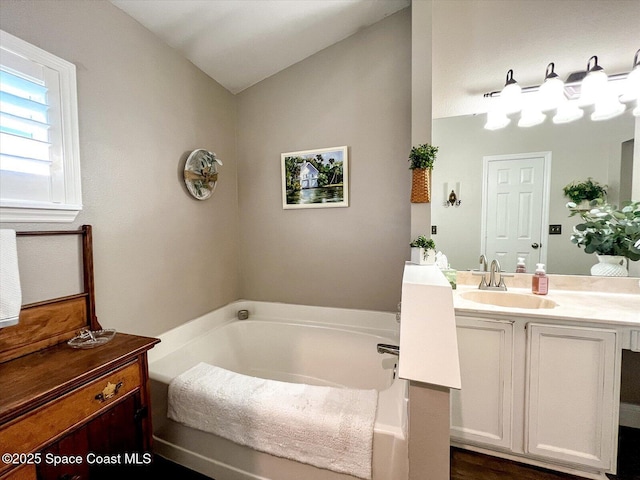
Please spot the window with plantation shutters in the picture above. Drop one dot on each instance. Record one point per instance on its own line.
(39, 154)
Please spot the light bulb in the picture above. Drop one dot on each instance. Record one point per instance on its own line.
(607, 109)
(632, 83)
(531, 118)
(551, 93)
(496, 119)
(607, 106)
(531, 114)
(511, 95)
(568, 111)
(593, 85)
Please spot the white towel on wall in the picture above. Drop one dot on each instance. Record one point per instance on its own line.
(327, 427)
(10, 291)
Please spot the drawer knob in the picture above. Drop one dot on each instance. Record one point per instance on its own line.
(109, 391)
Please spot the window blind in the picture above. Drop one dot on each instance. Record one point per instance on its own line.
(24, 124)
(39, 142)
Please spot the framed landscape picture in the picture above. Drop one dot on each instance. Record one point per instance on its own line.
(315, 178)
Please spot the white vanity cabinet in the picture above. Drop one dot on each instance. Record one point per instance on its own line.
(481, 410)
(545, 393)
(571, 394)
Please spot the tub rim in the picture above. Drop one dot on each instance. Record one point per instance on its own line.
(336, 318)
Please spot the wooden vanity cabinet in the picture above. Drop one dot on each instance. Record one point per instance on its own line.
(91, 406)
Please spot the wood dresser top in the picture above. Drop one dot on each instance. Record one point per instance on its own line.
(29, 381)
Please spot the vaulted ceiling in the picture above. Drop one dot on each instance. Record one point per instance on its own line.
(241, 42)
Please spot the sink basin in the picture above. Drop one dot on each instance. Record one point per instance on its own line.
(508, 299)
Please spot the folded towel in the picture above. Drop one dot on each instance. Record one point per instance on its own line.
(327, 427)
(10, 292)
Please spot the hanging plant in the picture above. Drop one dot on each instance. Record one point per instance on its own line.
(421, 160)
(422, 156)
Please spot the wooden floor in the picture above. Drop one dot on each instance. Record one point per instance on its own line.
(466, 465)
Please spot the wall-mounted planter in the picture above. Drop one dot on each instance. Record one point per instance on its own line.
(421, 185)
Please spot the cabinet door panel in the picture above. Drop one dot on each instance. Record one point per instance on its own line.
(104, 445)
(570, 396)
(73, 446)
(481, 410)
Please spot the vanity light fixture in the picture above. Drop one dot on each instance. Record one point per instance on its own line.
(603, 95)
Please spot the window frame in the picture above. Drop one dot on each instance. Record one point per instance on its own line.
(17, 210)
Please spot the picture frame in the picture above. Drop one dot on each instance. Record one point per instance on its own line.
(317, 178)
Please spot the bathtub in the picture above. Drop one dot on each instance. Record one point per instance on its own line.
(292, 343)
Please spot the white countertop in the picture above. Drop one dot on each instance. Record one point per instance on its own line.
(606, 308)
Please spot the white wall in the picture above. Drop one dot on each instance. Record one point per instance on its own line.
(161, 257)
(355, 93)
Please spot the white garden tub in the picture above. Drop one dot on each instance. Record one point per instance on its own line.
(292, 343)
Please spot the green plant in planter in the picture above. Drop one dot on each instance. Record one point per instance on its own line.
(608, 230)
(422, 156)
(585, 190)
(425, 243)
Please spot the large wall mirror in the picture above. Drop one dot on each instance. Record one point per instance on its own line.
(603, 151)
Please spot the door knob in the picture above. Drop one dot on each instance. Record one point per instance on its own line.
(535, 246)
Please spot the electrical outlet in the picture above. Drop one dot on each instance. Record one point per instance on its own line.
(555, 229)
(434, 229)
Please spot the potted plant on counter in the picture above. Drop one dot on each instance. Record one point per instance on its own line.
(423, 251)
(612, 233)
(421, 159)
(584, 192)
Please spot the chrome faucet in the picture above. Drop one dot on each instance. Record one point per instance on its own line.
(483, 263)
(493, 283)
(495, 269)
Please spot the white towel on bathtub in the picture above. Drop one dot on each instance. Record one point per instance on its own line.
(327, 427)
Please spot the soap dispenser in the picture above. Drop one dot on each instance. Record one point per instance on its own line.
(521, 266)
(540, 281)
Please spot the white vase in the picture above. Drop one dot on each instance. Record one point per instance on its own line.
(610, 266)
(584, 205)
(420, 257)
